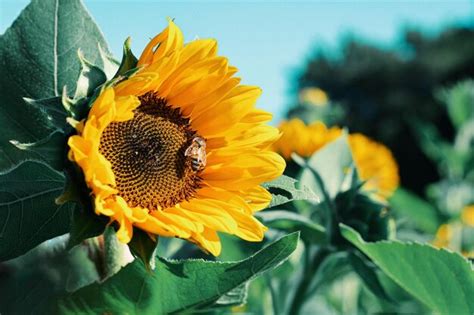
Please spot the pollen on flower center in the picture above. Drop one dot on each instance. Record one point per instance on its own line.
(150, 155)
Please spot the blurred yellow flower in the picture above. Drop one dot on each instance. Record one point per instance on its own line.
(179, 149)
(373, 160)
(375, 163)
(467, 215)
(454, 236)
(443, 236)
(313, 96)
(303, 139)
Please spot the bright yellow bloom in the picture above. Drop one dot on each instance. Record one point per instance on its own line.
(467, 215)
(313, 96)
(179, 149)
(373, 160)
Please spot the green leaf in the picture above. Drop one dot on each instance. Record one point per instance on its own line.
(38, 57)
(143, 247)
(174, 286)
(285, 189)
(409, 205)
(54, 111)
(335, 167)
(85, 224)
(235, 297)
(311, 232)
(28, 212)
(459, 102)
(441, 279)
(30, 281)
(129, 61)
(51, 149)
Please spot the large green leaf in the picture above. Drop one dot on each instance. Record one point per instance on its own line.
(54, 111)
(285, 189)
(29, 282)
(38, 57)
(28, 212)
(174, 286)
(441, 279)
(332, 166)
(51, 150)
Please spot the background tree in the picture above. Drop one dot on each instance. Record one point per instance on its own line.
(387, 92)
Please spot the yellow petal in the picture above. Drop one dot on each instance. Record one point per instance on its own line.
(161, 45)
(209, 241)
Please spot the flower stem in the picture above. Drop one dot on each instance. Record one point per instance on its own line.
(274, 295)
(308, 275)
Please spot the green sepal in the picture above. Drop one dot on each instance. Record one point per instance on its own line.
(144, 247)
(331, 173)
(85, 224)
(111, 65)
(90, 78)
(129, 61)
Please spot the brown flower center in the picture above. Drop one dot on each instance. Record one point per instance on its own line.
(156, 156)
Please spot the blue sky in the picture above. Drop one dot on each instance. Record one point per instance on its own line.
(267, 41)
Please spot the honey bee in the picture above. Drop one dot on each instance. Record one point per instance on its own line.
(197, 152)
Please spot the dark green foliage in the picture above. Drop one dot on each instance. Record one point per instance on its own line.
(173, 285)
(384, 91)
(37, 61)
(441, 279)
(29, 214)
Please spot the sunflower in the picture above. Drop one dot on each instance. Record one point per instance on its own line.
(178, 149)
(374, 161)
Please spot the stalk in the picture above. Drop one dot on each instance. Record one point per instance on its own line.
(308, 275)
